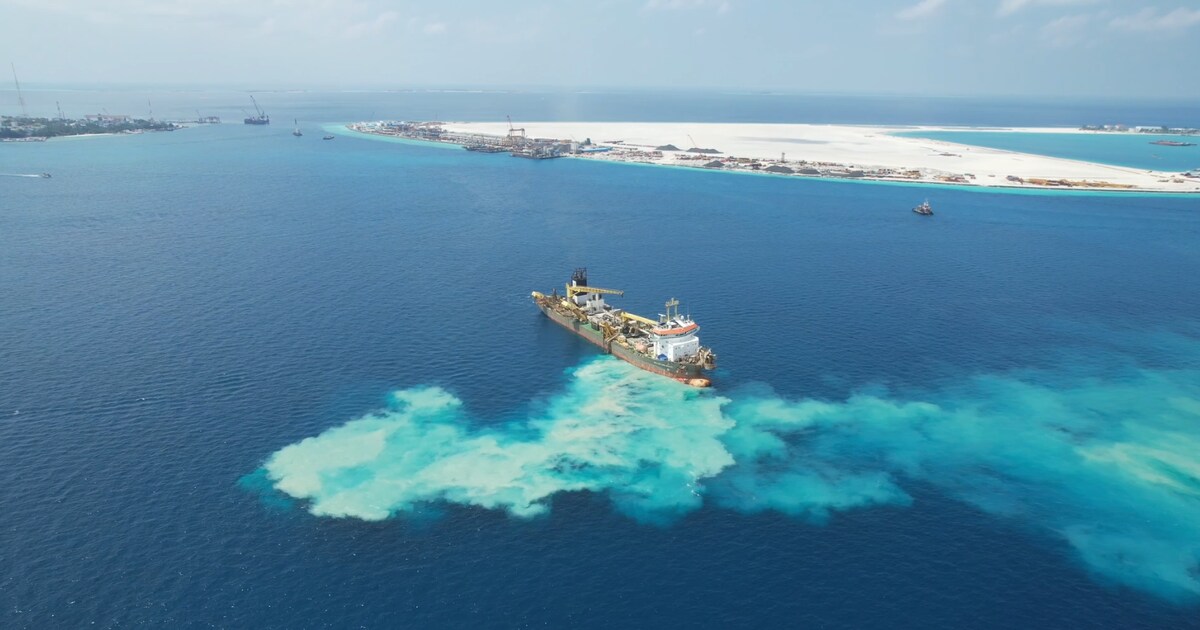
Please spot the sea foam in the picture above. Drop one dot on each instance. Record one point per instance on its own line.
(1107, 466)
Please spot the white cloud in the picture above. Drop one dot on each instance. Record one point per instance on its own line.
(372, 25)
(350, 18)
(1150, 19)
(921, 9)
(722, 6)
(1009, 7)
(1066, 31)
(434, 28)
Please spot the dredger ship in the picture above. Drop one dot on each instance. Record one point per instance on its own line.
(668, 346)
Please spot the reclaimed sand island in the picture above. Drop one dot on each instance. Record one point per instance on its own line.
(838, 151)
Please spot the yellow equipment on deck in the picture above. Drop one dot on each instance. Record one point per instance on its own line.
(638, 318)
(572, 289)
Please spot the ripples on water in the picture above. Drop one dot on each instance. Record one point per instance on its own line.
(982, 410)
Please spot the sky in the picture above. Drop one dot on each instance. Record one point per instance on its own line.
(1061, 48)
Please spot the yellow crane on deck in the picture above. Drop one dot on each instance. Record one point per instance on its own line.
(574, 289)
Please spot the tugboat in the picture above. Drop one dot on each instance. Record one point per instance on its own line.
(924, 209)
(296, 131)
(668, 346)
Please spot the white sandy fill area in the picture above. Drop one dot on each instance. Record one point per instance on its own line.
(867, 147)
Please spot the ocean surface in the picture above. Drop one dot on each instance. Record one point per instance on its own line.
(596, 105)
(252, 380)
(1118, 149)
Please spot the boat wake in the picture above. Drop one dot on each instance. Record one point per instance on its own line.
(1107, 466)
(37, 175)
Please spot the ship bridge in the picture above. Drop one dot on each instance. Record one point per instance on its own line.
(674, 338)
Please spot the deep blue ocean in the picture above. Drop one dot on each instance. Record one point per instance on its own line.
(249, 380)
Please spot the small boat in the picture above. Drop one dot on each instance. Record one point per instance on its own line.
(296, 131)
(924, 209)
(44, 175)
(327, 138)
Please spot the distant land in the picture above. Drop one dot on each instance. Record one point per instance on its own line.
(23, 128)
(859, 152)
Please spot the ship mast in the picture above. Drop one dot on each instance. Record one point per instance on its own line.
(672, 303)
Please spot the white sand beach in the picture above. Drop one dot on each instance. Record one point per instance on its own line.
(871, 149)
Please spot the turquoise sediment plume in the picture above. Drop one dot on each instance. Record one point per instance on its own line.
(1109, 467)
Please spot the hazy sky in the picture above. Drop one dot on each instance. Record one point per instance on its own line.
(1117, 48)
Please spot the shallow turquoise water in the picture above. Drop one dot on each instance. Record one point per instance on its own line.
(1118, 149)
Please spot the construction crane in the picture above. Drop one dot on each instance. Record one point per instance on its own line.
(694, 145)
(513, 132)
(61, 115)
(20, 98)
(257, 109)
(575, 289)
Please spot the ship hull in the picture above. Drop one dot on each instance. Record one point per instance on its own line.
(688, 373)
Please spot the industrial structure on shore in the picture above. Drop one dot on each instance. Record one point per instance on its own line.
(515, 142)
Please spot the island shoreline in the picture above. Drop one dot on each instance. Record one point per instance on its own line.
(836, 141)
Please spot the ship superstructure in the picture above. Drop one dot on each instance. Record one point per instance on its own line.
(669, 345)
